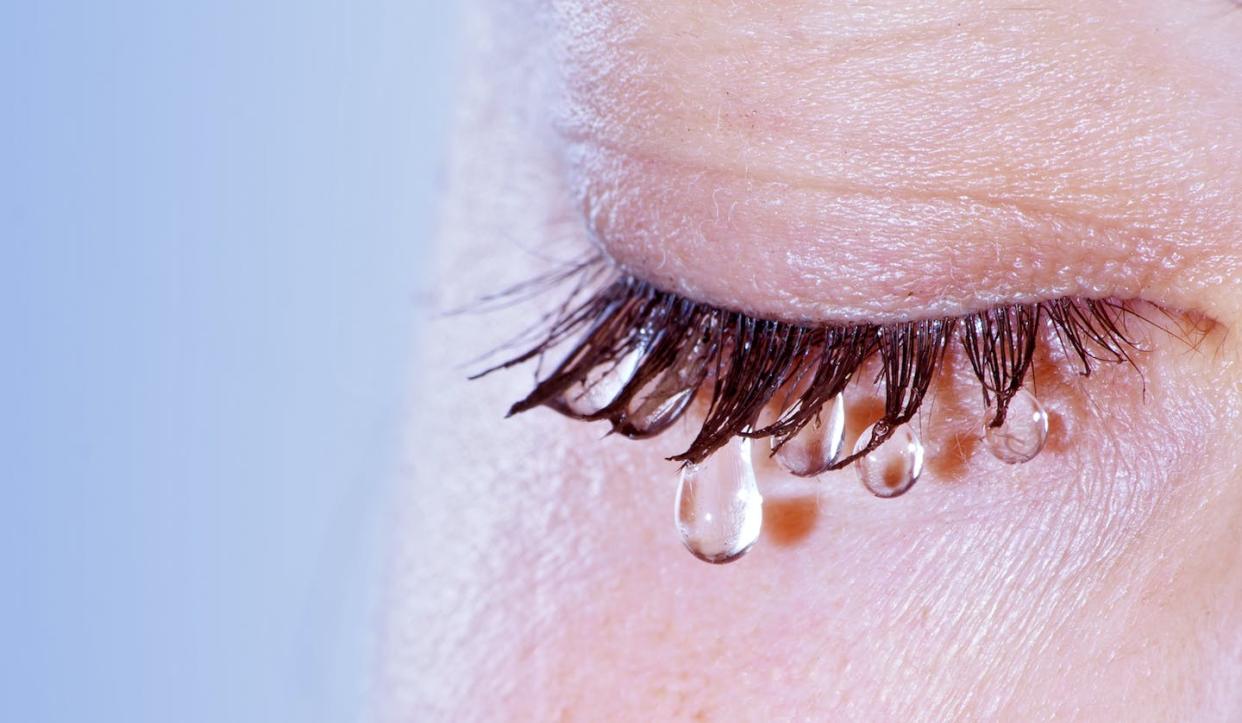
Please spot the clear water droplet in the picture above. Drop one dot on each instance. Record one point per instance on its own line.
(1023, 433)
(818, 444)
(648, 414)
(661, 401)
(892, 468)
(601, 385)
(719, 511)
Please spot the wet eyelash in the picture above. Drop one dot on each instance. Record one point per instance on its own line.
(656, 352)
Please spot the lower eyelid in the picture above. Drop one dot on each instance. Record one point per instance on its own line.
(1089, 332)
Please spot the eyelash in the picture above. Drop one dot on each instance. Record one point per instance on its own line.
(677, 347)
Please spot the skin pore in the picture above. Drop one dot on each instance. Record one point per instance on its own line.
(828, 161)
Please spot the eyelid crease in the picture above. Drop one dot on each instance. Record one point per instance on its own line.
(748, 361)
(1032, 206)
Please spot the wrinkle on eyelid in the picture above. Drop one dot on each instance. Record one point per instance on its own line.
(798, 262)
(1031, 584)
(1086, 559)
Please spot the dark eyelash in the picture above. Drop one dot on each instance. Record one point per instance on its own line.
(683, 347)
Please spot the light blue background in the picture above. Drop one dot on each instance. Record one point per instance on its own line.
(213, 219)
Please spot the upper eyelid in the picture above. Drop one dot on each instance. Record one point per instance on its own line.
(1102, 179)
(789, 251)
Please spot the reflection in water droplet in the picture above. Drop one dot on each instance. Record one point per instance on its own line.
(1023, 433)
(892, 468)
(661, 401)
(647, 416)
(719, 511)
(601, 386)
(818, 444)
(657, 404)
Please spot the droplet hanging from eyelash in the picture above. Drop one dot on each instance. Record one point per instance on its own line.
(600, 387)
(661, 401)
(649, 415)
(1023, 433)
(718, 510)
(818, 444)
(891, 469)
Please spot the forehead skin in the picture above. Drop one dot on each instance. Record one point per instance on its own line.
(535, 572)
(851, 159)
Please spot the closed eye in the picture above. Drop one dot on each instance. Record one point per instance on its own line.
(637, 356)
(912, 197)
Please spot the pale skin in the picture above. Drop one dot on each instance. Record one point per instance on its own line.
(829, 161)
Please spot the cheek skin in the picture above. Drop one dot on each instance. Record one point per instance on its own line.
(539, 573)
(536, 575)
(1112, 555)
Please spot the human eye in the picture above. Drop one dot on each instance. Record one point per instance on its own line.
(797, 279)
(639, 358)
(752, 232)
